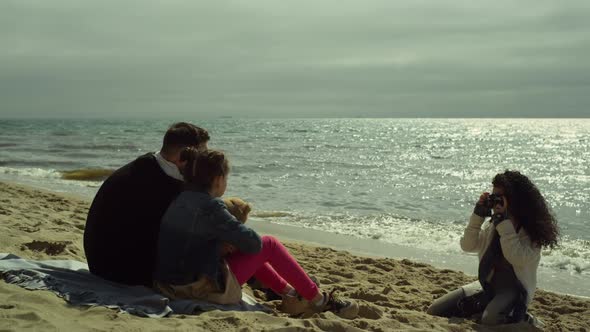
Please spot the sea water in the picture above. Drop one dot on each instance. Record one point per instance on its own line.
(408, 182)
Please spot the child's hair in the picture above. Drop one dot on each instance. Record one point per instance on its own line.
(202, 166)
(238, 208)
(529, 208)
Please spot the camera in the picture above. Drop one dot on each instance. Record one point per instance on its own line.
(493, 200)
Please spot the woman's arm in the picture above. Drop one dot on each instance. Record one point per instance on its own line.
(473, 236)
(516, 251)
(228, 229)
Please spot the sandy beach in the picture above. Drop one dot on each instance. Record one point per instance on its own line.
(392, 294)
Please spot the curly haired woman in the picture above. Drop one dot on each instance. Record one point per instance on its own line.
(509, 249)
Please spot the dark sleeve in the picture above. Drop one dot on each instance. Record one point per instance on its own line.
(229, 229)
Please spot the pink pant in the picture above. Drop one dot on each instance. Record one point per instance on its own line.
(274, 267)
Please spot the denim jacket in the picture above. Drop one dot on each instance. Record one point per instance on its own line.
(191, 233)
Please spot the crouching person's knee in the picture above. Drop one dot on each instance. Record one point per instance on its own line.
(438, 308)
(446, 306)
(432, 310)
(491, 318)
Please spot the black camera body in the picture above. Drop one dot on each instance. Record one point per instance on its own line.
(494, 200)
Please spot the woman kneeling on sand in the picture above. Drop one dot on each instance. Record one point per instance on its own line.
(198, 226)
(509, 249)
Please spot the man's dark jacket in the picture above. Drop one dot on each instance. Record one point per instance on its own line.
(123, 223)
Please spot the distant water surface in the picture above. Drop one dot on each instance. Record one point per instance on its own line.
(405, 181)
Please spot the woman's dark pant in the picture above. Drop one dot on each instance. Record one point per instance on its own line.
(495, 312)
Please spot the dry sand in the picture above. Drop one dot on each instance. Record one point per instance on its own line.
(393, 294)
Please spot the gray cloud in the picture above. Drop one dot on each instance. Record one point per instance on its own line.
(294, 58)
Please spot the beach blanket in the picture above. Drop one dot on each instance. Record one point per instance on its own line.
(72, 281)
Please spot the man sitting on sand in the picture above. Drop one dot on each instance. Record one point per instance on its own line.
(121, 234)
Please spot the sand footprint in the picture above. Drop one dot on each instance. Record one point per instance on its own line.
(385, 266)
(368, 296)
(369, 311)
(30, 229)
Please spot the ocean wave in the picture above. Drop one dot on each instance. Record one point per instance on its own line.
(36, 149)
(572, 254)
(44, 164)
(80, 154)
(108, 147)
(85, 174)
(31, 172)
(271, 214)
(261, 167)
(300, 131)
(62, 133)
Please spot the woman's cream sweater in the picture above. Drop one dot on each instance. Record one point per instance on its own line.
(517, 248)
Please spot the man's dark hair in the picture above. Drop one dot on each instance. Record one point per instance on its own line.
(202, 166)
(181, 135)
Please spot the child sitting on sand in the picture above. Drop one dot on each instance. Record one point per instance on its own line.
(193, 229)
(240, 209)
(509, 250)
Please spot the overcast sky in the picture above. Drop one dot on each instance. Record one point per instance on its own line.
(280, 58)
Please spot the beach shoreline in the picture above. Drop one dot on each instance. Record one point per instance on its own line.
(393, 293)
(564, 281)
(560, 282)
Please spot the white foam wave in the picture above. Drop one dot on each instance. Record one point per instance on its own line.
(50, 179)
(571, 255)
(31, 172)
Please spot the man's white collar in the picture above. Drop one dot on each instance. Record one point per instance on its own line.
(168, 167)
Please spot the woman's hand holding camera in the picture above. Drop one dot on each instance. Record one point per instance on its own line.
(492, 202)
(481, 207)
